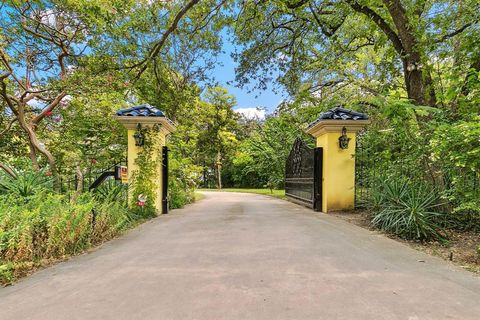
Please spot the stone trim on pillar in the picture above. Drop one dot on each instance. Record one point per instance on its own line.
(335, 131)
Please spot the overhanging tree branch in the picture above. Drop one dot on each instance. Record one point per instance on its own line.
(9, 72)
(49, 108)
(296, 4)
(456, 32)
(155, 51)
(328, 33)
(381, 23)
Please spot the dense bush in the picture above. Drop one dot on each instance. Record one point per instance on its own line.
(261, 156)
(45, 226)
(184, 178)
(456, 150)
(179, 197)
(239, 172)
(404, 157)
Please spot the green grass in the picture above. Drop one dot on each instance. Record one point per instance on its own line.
(276, 193)
(198, 196)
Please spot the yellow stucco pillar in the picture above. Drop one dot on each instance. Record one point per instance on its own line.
(338, 185)
(137, 120)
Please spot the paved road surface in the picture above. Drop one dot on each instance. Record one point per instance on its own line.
(240, 256)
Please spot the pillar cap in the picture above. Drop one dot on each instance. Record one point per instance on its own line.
(334, 120)
(146, 115)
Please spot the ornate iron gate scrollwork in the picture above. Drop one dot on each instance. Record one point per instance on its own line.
(303, 175)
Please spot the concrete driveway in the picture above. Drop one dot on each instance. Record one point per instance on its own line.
(242, 256)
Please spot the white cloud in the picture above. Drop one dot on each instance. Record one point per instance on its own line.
(252, 113)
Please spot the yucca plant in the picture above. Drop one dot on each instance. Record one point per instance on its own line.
(25, 184)
(111, 191)
(408, 210)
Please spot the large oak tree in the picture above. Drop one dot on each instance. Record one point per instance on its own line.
(316, 44)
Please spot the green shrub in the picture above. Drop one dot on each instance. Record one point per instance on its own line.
(178, 197)
(48, 226)
(466, 216)
(111, 191)
(456, 151)
(441, 153)
(184, 178)
(111, 218)
(180, 193)
(407, 210)
(25, 184)
(6, 272)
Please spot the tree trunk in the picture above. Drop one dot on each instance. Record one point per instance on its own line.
(32, 154)
(404, 41)
(8, 170)
(219, 171)
(33, 140)
(410, 53)
(79, 186)
(205, 183)
(430, 88)
(413, 81)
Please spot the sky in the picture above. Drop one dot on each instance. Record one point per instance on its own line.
(247, 101)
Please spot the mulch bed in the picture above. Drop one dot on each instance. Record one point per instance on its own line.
(461, 248)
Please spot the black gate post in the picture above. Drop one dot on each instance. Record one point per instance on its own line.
(164, 180)
(318, 179)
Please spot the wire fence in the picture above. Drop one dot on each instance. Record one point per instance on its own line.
(365, 174)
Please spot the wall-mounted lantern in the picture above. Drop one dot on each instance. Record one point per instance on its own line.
(139, 136)
(344, 139)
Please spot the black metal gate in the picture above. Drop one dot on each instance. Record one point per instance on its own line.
(165, 180)
(303, 175)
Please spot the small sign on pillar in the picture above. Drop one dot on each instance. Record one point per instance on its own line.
(124, 174)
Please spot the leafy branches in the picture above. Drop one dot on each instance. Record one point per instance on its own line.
(42, 41)
(302, 44)
(178, 21)
(158, 46)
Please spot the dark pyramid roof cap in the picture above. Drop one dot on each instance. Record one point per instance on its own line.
(339, 113)
(143, 110)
